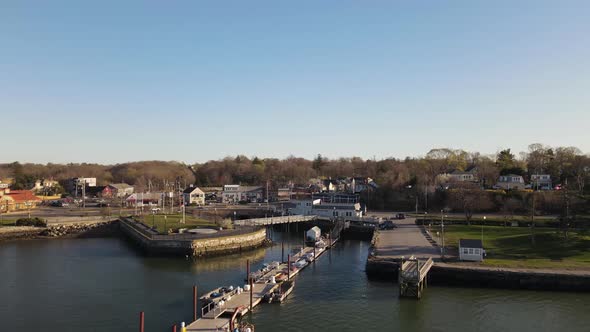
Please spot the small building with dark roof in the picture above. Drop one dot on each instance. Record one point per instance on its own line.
(471, 250)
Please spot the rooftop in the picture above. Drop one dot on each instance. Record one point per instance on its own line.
(470, 243)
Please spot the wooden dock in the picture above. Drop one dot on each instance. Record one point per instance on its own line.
(221, 312)
(413, 277)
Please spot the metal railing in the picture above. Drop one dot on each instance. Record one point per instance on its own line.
(274, 220)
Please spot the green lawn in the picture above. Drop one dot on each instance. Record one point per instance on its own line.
(513, 246)
(7, 221)
(173, 221)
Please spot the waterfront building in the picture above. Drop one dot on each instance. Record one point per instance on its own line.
(235, 193)
(471, 250)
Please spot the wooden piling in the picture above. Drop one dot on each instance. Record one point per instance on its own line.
(141, 321)
(247, 271)
(288, 267)
(194, 303)
(251, 293)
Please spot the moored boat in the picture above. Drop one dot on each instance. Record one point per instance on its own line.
(281, 293)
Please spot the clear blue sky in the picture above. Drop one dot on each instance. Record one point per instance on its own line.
(116, 81)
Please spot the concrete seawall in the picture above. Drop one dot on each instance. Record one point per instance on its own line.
(448, 274)
(389, 247)
(195, 245)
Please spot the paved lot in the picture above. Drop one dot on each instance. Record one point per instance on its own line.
(405, 240)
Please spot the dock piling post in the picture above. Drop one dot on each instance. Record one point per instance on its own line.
(251, 292)
(247, 271)
(141, 321)
(288, 267)
(194, 303)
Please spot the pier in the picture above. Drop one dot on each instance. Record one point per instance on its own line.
(413, 277)
(221, 313)
(403, 252)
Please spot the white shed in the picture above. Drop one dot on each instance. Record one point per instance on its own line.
(313, 234)
(471, 250)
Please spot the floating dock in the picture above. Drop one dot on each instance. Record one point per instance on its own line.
(220, 313)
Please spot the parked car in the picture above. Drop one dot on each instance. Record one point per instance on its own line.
(400, 216)
(387, 225)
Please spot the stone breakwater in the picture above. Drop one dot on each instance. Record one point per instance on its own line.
(83, 229)
(94, 229)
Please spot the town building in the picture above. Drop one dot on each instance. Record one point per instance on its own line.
(471, 250)
(193, 195)
(360, 184)
(235, 193)
(302, 206)
(120, 189)
(337, 210)
(510, 181)
(89, 182)
(41, 185)
(17, 200)
(142, 199)
(541, 182)
(317, 207)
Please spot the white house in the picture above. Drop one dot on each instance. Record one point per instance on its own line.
(471, 250)
(511, 181)
(193, 195)
(541, 182)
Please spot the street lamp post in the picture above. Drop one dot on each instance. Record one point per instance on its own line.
(484, 219)
(442, 228)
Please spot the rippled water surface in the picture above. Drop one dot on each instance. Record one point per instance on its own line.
(102, 284)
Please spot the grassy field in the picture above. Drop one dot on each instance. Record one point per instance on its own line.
(513, 246)
(173, 222)
(492, 218)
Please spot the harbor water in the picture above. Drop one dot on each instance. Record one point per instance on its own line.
(102, 285)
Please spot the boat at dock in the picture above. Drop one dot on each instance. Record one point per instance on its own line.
(281, 292)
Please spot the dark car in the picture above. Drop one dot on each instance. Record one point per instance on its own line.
(400, 216)
(387, 225)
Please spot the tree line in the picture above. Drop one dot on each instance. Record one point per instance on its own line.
(402, 182)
